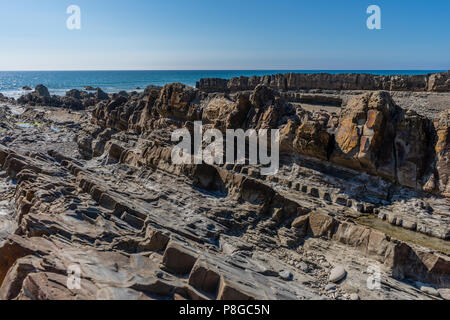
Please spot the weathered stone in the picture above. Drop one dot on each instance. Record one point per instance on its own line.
(322, 225)
(179, 259)
(286, 275)
(301, 222)
(204, 277)
(337, 274)
(428, 290)
(41, 91)
(291, 81)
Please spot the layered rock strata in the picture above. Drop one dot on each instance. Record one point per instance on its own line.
(438, 82)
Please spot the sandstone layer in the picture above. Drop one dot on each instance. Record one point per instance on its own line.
(437, 82)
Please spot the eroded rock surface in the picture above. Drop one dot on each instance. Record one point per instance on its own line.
(439, 82)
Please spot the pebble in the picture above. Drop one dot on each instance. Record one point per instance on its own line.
(330, 287)
(286, 275)
(303, 266)
(337, 274)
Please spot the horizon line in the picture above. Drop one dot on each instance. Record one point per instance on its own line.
(257, 69)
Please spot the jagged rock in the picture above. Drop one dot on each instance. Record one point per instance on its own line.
(155, 240)
(322, 225)
(312, 139)
(102, 193)
(101, 95)
(178, 259)
(301, 222)
(77, 94)
(286, 275)
(337, 274)
(177, 101)
(439, 82)
(74, 99)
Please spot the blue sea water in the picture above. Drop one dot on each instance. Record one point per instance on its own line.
(58, 82)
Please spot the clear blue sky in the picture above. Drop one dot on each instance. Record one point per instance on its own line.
(231, 34)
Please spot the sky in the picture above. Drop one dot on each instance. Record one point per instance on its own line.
(224, 35)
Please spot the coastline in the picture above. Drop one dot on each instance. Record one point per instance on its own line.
(428, 94)
(60, 82)
(95, 169)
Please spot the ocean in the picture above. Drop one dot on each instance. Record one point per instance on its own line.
(59, 82)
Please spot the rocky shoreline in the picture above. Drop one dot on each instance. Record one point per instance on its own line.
(87, 180)
(436, 82)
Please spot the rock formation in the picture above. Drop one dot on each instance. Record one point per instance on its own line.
(74, 99)
(359, 189)
(439, 82)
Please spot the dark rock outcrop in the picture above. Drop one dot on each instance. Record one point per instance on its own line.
(376, 136)
(74, 99)
(440, 180)
(41, 91)
(296, 81)
(372, 135)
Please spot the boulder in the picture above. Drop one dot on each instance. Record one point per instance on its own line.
(177, 101)
(312, 139)
(322, 225)
(41, 91)
(101, 95)
(442, 149)
(74, 93)
(376, 136)
(301, 222)
(438, 82)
